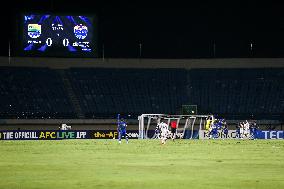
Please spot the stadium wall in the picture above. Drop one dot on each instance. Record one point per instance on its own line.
(107, 124)
(54, 124)
(63, 63)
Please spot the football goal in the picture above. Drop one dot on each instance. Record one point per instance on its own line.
(187, 126)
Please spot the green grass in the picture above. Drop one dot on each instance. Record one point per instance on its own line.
(142, 164)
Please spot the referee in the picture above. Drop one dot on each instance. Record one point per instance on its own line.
(173, 129)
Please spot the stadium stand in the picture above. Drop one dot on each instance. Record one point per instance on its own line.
(239, 93)
(105, 92)
(33, 93)
(234, 93)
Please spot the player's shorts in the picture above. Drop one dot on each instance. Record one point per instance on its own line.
(122, 133)
(164, 135)
(174, 130)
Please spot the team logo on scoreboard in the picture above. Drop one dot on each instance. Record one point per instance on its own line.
(34, 30)
(80, 31)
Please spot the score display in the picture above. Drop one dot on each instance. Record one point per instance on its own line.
(53, 35)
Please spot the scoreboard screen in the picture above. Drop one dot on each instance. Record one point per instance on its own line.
(58, 35)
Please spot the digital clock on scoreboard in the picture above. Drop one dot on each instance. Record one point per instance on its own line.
(58, 35)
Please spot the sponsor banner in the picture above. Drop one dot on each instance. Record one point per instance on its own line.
(42, 135)
(271, 135)
(188, 135)
(179, 134)
(59, 135)
(203, 134)
(112, 134)
(232, 134)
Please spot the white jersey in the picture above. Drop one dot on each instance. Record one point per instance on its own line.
(246, 128)
(164, 128)
(241, 130)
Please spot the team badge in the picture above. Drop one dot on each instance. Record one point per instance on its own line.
(80, 31)
(34, 30)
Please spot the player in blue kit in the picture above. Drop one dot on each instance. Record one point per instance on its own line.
(225, 131)
(217, 125)
(121, 128)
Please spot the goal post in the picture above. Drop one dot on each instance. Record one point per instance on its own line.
(148, 123)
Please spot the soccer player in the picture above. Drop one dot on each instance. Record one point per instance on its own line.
(219, 123)
(157, 132)
(246, 128)
(238, 134)
(173, 130)
(225, 130)
(242, 124)
(213, 131)
(254, 130)
(251, 130)
(164, 128)
(121, 128)
(209, 123)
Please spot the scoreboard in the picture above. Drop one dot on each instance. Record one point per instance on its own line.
(59, 35)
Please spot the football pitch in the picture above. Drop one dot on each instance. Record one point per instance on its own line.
(142, 164)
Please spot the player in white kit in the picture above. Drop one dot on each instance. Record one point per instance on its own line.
(164, 128)
(242, 130)
(246, 129)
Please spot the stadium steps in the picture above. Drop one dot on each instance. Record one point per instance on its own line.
(70, 93)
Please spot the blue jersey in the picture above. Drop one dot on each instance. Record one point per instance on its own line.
(225, 130)
(220, 123)
(122, 126)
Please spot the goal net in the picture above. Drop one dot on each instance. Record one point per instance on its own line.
(188, 126)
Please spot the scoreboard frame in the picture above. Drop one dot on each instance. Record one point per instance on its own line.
(19, 43)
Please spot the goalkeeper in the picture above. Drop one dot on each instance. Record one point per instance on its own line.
(208, 125)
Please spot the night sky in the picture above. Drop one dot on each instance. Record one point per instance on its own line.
(172, 30)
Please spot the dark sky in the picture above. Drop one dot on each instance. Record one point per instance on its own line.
(174, 30)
